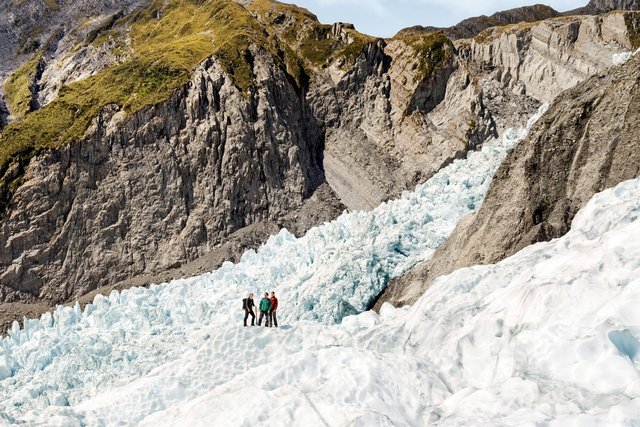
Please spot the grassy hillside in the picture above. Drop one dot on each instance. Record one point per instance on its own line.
(165, 42)
(169, 39)
(312, 41)
(17, 87)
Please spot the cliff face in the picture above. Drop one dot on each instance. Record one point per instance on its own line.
(145, 193)
(601, 6)
(386, 131)
(27, 27)
(161, 134)
(585, 143)
(378, 139)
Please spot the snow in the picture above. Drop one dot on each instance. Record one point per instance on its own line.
(335, 270)
(621, 58)
(549, 335)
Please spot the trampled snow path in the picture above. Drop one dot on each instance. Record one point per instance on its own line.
(549, 336)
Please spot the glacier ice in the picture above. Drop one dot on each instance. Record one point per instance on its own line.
(502, 342)
(543, 337)
(333, 271)
(621, 58)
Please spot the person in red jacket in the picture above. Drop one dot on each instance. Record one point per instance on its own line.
(273, 320)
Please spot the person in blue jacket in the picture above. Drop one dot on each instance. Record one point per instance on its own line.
(265, 308)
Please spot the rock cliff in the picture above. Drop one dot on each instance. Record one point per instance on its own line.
(471, 27)
(600, 6)
(27, 27)
(585, 143)
(387, 131)
(145, 193)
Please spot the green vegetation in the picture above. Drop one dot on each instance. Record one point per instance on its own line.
(300, 30)
(17, 87)
(317, 51)
(433, 51)
(168, 39)
(52, 4)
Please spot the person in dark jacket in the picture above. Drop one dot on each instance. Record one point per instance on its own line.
(265, 308)
(273, 320)
(247, 306)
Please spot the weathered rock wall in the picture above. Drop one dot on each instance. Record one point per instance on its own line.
(585, 143)
(144, 193)
(388, 130)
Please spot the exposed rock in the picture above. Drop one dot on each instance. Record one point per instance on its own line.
(585, 143)
(521, 66)
(321, 207)
(387, 131)
(595, 7)
(149, 192)
(183, 183)
(471, 27)
(377, 142)
(27, 26)
(4, 112)
(63, 68)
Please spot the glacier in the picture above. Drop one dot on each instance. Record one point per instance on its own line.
(549, 335)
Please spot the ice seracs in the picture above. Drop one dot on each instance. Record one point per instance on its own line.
(548, 334)
(621, 58)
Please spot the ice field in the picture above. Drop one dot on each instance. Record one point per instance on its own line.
(548, 336)
(535, 338)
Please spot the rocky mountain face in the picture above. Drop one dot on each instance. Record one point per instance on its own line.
(141, 192)
(601, 6)
(46, 26)
(385, 132)
(158, 137)
(149, 191)
(471, 27)
(585, 143)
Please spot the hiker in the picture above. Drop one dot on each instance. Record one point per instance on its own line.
(273, 320)
(265, 307)
(247, 306)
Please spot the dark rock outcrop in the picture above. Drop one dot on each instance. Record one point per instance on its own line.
(595, 7)
(471, 27)
(585, 143)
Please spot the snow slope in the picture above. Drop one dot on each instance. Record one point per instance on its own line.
(549, 336)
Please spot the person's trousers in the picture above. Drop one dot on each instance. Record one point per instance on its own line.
(264, 314)
(246, 316)
(273, 319)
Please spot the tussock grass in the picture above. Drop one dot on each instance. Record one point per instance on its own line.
(168, 39)
(17, 87)
(433, 50)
